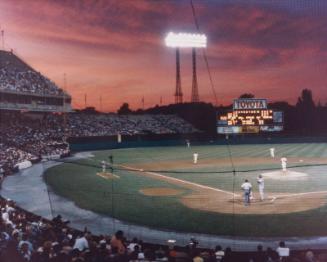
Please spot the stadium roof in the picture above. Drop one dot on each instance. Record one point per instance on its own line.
(10, 60)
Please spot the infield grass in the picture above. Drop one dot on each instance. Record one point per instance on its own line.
(121, 198)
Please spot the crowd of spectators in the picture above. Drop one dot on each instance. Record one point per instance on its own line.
(27, 237)
(24, 138)
(29, 81)
(176, 124)
(112, 124)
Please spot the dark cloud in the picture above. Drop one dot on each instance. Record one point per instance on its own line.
(278, 34)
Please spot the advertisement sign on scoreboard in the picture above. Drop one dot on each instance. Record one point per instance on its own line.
(249, 104)
(229, 129)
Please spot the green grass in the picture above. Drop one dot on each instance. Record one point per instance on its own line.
(121, 198)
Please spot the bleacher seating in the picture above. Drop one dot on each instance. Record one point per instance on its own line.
(23, 88)
(23, 138)
(112, 124)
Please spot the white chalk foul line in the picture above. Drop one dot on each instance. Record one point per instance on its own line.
(297, 194)
(304, 193)
(181, 181)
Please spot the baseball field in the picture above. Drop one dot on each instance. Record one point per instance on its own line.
(161, 187)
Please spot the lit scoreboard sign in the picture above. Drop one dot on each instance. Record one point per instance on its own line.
(250, 103)
(250, 116)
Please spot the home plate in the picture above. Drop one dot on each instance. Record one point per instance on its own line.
(285, 175)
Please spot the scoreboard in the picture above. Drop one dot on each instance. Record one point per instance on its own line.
(250, 116)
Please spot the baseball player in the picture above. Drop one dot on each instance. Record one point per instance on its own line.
(188, 143)
(272, 152)
(247, 187)
(261, 185)
(103, 163)
(284, 163)
(195, 158)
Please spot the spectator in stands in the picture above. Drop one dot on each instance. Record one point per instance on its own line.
(25, 252)
(271, 254)
(197, 257)
(228, 255)
(283, 251)
(161, 255)
(81, 242)
(310, 257)
(219, 253)
(130, 247)
(117, 241)
(103, 253)
(260, 255)
(25, 241)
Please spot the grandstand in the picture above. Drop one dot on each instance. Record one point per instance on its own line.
(112, 124)
(28, 138)
(23, 88)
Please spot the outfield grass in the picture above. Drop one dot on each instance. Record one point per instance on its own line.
(121, 197)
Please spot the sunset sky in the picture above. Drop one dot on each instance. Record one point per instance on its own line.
(115, 49)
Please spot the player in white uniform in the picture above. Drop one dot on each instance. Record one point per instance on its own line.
(188, 143)
(261, 185)
(284, 163)
(103, 163)
(272, 152)
(247, 187)
(195, 158)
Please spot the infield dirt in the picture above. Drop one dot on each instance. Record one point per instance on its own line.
(160, 191)
(220, 201)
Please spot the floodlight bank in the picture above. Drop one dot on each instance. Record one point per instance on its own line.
(186, 40)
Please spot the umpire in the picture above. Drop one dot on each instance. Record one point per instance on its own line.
(247, 187)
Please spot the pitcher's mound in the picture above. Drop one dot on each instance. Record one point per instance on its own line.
(285, 175)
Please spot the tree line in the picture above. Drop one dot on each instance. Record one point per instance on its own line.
(304, 118)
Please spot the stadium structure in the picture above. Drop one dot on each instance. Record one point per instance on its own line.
(136, 173)
(23, 88)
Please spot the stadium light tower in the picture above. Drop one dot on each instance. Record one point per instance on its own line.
(186, 40)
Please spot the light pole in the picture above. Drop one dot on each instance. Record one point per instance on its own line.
(186, 40)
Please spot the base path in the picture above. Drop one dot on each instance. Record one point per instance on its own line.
(177, 181)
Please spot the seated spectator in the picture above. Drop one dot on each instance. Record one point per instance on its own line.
(25, 241)
(310, 257)
(219, 253)
(228, 255)
(131, 245)
(271, 254)
(25, 252)
(117, 241)
(81, 242)
(260, 255)
(197, 257)
(134, 256)
(283, 251)
(161, 255)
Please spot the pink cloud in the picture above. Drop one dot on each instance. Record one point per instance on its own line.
(116, 50)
